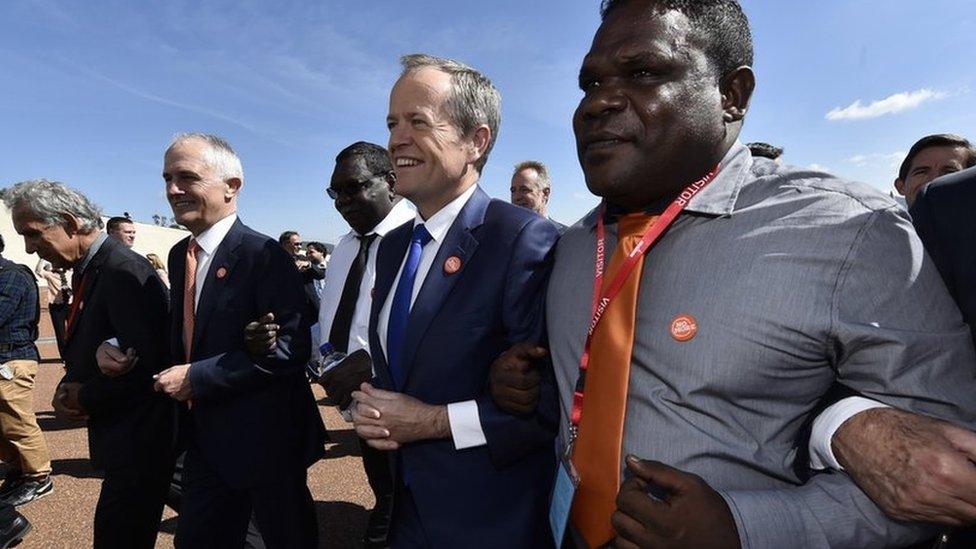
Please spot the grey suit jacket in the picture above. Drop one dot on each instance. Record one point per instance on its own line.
(796, 280)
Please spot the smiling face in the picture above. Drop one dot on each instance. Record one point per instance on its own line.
(194, 188)
(652, 118)
(928, 164)
(294, 244)
(432, 160)
(528, 191)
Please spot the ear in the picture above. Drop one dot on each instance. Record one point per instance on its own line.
(390, 179)
(234, 185)
(545, 193)
(737, 88)
(71, 223)
(900, 186)
(480, 141)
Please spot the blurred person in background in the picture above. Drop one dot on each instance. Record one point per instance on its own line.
(157, 264)
(930, 157)
(122, 229)
(22, 445)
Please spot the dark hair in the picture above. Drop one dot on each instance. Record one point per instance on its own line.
(317, 246)
(722, 24)
(114, 222)
(2, 246)
(937, 140)
(286, 236)
(765, 150)
(375, 157)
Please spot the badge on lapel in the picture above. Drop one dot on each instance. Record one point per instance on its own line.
(452, 265)
(221, 272)
(684, 328)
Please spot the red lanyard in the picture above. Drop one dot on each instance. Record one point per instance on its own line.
(76, 305)
(601, 299)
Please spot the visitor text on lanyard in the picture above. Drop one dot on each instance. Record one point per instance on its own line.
(601, 299)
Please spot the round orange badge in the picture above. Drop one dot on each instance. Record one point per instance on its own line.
(452, 265)
(221, 272)
(684, 327)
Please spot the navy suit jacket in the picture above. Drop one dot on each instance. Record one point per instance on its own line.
(495, 495)
(251, 419)
(944, 215)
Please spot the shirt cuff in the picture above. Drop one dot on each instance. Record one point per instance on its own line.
(827, 423)
(465, 425)
(763, 519)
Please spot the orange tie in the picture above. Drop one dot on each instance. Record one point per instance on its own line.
(189, 296)
(597, 451)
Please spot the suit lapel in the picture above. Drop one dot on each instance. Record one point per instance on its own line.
(219, 272)
(177, 280)
(458, 243)
(90, 278)
(388, 259)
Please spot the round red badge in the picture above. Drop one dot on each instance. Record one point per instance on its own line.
(221, 272)
(452, 265)
(684, 327)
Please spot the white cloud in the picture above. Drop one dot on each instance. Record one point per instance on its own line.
(887, 160)
(818, 167)
(893, 104)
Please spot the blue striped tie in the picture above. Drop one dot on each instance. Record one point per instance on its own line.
(400, 309)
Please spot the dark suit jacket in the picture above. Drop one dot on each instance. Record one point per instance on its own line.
(309, 276)
(944, 215)
(250, 417)
(124, 298)
(495, 495)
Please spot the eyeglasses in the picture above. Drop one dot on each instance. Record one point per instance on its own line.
(351, 190)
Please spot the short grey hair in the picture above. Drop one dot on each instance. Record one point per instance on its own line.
(220, 155)
(544, 181)
(474, 99)
(49, 201)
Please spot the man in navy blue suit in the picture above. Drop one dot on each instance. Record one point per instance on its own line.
(252, 427)
(455, 287)
(943, 217)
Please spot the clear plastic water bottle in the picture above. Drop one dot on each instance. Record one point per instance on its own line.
(330, 358)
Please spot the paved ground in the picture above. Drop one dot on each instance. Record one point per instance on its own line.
(64, 518)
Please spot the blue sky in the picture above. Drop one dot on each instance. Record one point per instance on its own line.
(93, 90)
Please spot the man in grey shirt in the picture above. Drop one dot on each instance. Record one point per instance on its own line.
(772, 285)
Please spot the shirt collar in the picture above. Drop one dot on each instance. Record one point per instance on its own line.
(211, 238)
(441, 222)
(402, 212)
(92, 250)
(719, 197)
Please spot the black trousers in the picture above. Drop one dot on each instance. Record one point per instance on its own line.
(377, 466)
(214, 515)
(130, 506)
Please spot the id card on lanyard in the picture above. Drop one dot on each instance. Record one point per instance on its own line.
(567, 479)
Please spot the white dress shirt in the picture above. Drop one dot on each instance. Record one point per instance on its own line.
(463, 417)
(827, 423)
(208, 241)
(343, 255)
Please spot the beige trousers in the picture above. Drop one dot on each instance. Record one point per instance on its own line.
(22, 445)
